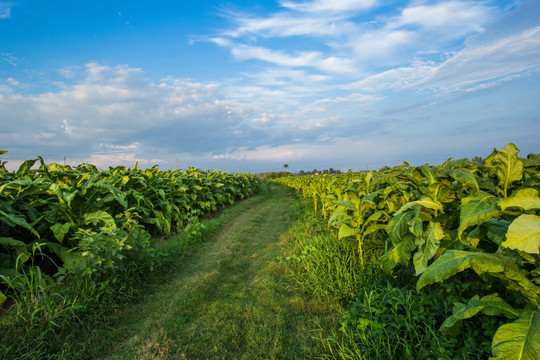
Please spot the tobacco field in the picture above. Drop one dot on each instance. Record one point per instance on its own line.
(462, 228)
(82, 222)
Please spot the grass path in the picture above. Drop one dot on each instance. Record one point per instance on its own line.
(229, 300)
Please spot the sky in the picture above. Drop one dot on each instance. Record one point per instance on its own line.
(252, 85)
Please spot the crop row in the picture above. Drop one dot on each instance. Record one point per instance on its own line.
(461, 221)
(83, 221)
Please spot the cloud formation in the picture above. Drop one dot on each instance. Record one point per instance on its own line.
(115, 107)
(320, 83)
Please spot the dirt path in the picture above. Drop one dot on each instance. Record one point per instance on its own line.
(230, 300)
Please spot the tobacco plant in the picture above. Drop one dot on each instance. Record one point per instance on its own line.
(460, 221)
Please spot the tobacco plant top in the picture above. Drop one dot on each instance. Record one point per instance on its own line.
(457, 218)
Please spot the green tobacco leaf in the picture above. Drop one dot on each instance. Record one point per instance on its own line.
(19, 220)
(375, 216)
(99, 216)
(9, 241)
(337, 215)
(25, 167)
(524, 234)
(490, 305)
(427, 246)
(496, 229)
(428, 203)
(518, 340)
(508, 167)
(464, 176)
(526, 199)
(454, 261)
(399, 254)
(533, 159)
(60, 230)
(476, 209)
(345, 231)
(19, 246)
(399, 225)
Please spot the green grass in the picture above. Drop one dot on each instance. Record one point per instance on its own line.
(227, 297)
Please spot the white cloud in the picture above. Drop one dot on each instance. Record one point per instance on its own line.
(397, 78)
(491, 61)
(285, 25)
(69, 72)
(287, 77)
(117, 106)
(382, 43)
(282, 153)
(312, 59)
(5, 10)
(265, 119)
(11, 81)
(447, 16)
(326, 6)
(9, 58)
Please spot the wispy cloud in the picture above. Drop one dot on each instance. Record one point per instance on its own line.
(313, 59)
(5, 9)
(326, 6)
(9, 58)
(493, 61)
(397, 78)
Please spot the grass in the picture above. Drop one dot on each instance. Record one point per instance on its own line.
(227, 298)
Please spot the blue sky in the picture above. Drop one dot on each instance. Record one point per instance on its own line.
(251, 85)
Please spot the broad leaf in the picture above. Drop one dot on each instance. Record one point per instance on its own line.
(399, 254)
(399, 225)
(454, 261)
(465, 176)
(60, 230)
(18, 220)
(345, 231)
(19, 246)
(508, 167)
(25, 167)
(476, 209)
(3, 298)
(427, 203)
(496, 229)
(428, 245)
(526, 199)
(490, 305)
(337, 215)
(99, 216)
(524, 234)
(518, 340)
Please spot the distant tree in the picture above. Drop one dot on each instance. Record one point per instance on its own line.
(285, 166)
(478, 160)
